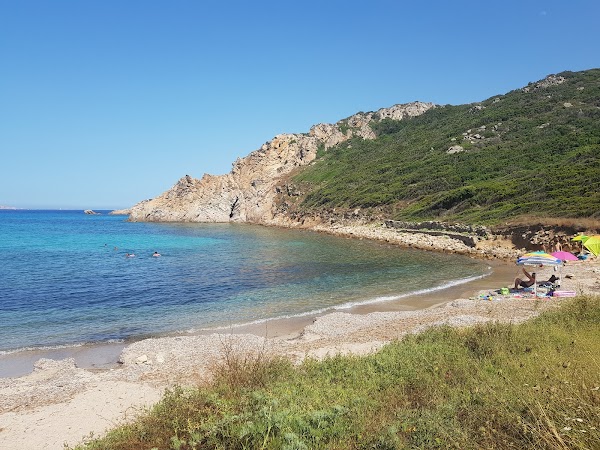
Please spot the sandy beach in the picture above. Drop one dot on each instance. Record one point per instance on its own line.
(83, 392)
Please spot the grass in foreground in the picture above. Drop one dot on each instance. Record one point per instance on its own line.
(495, 386)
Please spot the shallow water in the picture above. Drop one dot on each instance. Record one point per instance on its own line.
(65, 279)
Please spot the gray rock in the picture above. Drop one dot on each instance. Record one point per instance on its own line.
(248, 192)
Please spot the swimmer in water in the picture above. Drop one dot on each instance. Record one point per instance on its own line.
(156, 254)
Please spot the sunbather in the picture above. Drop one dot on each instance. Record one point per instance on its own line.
(553, 279)
(551, 282)
(530, 281)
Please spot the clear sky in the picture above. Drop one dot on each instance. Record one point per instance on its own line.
(104, 103)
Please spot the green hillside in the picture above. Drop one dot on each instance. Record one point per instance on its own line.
(533, 152)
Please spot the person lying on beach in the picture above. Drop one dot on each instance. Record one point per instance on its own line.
(530, 281)
(551, 281)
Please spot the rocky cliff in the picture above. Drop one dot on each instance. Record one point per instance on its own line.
(247, 193)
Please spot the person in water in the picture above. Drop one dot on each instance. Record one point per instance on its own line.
(530, 281)
(156, 254)
(129, 255)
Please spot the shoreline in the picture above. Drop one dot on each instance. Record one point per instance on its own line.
(62, 402)
(290, 327)
(105, 355)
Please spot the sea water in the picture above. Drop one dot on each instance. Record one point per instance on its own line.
(65, 279)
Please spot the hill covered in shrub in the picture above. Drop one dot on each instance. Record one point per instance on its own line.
(533, 152)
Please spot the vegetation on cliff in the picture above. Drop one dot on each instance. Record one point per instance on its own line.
(532, 152)
(533, 385)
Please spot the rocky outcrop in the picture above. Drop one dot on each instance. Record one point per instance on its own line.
(120, 212)
(467, 234)
(474, 230)
(455, 149)
(90, 212)
(550, 80)
(247, 193)
(543, 237)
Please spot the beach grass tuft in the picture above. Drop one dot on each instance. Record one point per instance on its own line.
(533, 385)
(243, 368)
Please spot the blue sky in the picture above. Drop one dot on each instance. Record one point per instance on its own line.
(105, 103)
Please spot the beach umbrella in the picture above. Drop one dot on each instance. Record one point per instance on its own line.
(580, 238)
(564, 256)
(593, 244)
(538, 259)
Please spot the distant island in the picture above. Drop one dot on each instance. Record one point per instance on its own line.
(8, 207)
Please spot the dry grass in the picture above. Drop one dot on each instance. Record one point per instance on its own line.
(242, 367)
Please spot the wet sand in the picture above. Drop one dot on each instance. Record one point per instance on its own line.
(93, 357)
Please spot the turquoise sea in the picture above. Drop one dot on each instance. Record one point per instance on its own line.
(65, 279)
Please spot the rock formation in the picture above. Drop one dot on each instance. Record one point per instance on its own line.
(247, 193)
(120, 212)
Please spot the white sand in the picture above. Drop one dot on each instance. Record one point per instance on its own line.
(100, 406)
(60, 403)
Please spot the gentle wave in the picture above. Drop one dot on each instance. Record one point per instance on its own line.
(344, 306)
(410, 294)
